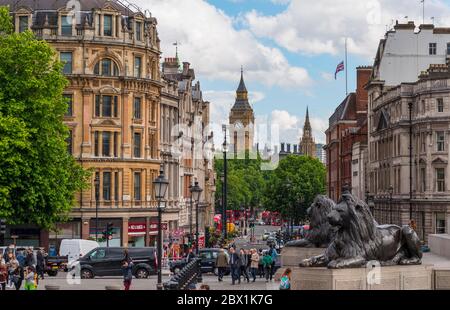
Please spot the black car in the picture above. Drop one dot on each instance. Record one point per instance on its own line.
(104, 261)
(208, 262)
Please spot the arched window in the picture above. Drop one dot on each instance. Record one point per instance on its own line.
(106, 67)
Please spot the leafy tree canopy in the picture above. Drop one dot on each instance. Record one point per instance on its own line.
(38, 177)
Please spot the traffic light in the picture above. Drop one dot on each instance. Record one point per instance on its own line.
(109, 230)
(2, 227)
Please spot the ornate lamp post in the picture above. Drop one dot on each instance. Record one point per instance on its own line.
(196, 191)
(391, 191)
(160, 185)
(97, 198)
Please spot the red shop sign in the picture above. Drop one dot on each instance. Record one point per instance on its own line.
(137, 228)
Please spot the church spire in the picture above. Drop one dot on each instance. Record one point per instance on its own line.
(307, 123)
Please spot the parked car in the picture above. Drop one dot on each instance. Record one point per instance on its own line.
(76, 248)
(208, 262)
(265, 236)
(102, 261)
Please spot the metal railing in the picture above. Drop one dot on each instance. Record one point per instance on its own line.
(190, 274)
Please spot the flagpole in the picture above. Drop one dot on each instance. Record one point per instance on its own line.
(346, 70)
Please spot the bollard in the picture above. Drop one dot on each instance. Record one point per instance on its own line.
(113, 288)
(52, 287)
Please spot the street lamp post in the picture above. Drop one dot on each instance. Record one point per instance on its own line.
(160, 187)
(97, 198)
(225, 171)
(190, 215)
(196, 191)
(391, 191)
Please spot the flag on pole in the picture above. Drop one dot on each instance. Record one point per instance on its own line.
(340, 67)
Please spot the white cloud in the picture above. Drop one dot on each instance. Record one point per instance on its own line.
(291, 127)
(327, 76)
(214, 47)
(319, 27)
(221, 104)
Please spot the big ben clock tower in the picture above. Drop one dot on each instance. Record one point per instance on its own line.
(242, 120)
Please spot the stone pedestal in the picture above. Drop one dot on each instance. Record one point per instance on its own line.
(441, 278)
(385, 278)
(440, 244)
(292, 256)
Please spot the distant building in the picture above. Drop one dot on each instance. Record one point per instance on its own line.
(307, 143)
(347, 125)
(321, 154)
(242, 120)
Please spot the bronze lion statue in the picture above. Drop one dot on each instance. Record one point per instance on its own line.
(320, 232)
(359, 239)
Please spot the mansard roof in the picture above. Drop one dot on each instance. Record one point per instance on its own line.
(341, 112)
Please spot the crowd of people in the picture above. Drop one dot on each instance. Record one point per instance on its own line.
(19, 267)
(246, 263)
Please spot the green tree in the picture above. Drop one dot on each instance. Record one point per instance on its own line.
(292, 187)
(245, 182)
(38, 177)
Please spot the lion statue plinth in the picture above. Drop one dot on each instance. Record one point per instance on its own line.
(320, 232)
(359, 240)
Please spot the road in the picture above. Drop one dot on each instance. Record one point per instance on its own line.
(65, 281)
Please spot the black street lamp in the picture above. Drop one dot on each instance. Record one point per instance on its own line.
(160, 187)
(391, 191)
(196, 191)
(97, 198)
(225, 190)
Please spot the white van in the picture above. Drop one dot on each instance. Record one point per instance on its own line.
(76, 248)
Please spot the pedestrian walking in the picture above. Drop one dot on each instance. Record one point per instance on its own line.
(244, 262)
(29, 258)
(190, 256)
(260, 264)
(30, 279)
(3, 275)
(127, 269)
(267, 263)
(20, 258)
(12, 265)
(40, 264)
(273, 253)
(285, 280)
(254, 264)
(235, 266)
(221, 264)
(18, 277)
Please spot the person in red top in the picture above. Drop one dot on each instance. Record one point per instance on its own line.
(3, 276)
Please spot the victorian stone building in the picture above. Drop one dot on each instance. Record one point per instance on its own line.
(408, 123)
(111, 54)
(410, 132)
(187, 146)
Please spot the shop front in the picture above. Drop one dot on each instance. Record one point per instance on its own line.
(69, 230)
(137, 230)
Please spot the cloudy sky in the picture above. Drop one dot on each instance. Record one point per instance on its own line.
(289, 50)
